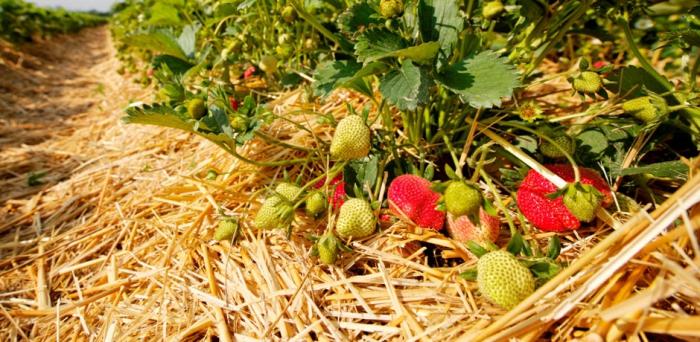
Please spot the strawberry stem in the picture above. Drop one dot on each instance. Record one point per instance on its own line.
(524, 157)
(577, 174)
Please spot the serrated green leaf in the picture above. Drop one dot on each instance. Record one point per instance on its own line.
(330, 75)
(176, 65)
(592, 142)
(675, 169)
(377, 43)
(159, 115)
(407, 87)
(159, 41)
(481, 81)
(440, 21)
(163, 14)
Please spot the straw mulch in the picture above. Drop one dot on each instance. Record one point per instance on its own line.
(117, 244)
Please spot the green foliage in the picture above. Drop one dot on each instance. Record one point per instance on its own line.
(20, 21)
(482, 80)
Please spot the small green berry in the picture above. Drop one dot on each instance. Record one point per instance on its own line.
(226, 229)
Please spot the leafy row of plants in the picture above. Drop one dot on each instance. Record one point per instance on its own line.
(460, 117)
(20, 21)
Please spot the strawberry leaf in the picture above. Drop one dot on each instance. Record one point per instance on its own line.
(554, 247)
(407, 87)
(515, 245)
(161, 41)
(440, 21)
(482, 81)
(675, 169)
(331, 75)
(375, 44)
(358, 16)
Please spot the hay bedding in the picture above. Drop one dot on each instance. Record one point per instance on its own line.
(117, 243)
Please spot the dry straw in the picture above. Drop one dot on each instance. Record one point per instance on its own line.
(117, 243)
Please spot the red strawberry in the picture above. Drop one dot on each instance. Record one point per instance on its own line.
(410, 196)
(248, 72)
(337, 199)
(233, 102)
(600, 64)
(462, 228)
(551, 214)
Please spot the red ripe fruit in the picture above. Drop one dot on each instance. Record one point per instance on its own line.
(461, 228)
(551, 214)
(337, 198)
(599, 64)
(248, 72)
(149, 72)
(233, 102)
(410, 196)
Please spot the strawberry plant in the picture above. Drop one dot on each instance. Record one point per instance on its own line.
(475, 116)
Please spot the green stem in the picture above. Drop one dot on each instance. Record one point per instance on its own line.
(455, 160)
(499, 202)
(577, 173)
(255, 162)
(579, 12)
(318, 26)
(522, 156)
(337, 168)
(694, 71)
(273, 140)
(643, 61)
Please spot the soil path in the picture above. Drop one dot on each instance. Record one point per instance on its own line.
(70, 174)
(51, 92)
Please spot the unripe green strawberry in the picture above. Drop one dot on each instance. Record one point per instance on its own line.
(226, 229)
(492, 9)
(288, 14)
(355, 219)
(588, 83)
(646, 108)
(288, 190)
(390, 8)
(327, 247)
(582, 200)
(238, 123)
(351, 139)
(503, 280)
(462, 198)
(196, 108)
(268, 64)
(211, 175)
(315, 204)
(275, 212)
(551, 151)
